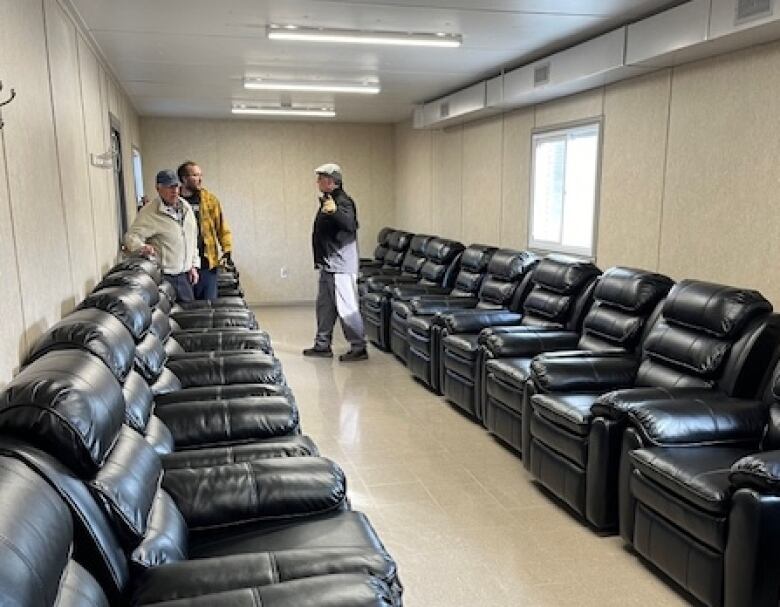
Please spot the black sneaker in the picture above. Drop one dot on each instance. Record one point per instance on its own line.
(352, 355)
(318, 352)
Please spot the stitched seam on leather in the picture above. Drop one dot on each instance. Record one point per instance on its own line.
(226, 419)
(276, 576)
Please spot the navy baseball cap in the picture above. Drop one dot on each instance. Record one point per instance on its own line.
(167, 178)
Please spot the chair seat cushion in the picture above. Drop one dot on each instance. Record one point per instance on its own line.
(698, 475)
(570, 411)
(340, 529)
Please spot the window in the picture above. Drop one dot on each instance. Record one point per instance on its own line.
(564, 174)
(138, 177)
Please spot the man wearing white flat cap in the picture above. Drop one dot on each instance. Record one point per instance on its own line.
(334, 242)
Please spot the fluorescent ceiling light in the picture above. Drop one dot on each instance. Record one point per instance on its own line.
(315, 34)
(263, 84)
(277, 110)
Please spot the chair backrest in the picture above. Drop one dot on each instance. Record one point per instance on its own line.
(561, 292)
(415, 256)
(441, 263)
(473, 269)
(707, 335)
(397, 246)
(382, 245)
(36, 548)
(624, 300)
(508, 272)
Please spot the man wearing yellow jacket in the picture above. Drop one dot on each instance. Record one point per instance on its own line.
(214, 234)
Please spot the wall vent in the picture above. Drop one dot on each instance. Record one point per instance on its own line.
(444, 109)
(748, 10)
(542, 74)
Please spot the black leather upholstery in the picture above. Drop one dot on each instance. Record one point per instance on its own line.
(437, 272)
(560, 291)
(704, 344)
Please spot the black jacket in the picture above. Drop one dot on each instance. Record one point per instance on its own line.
(334, 237)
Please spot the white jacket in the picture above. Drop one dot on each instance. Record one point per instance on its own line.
(176, 242)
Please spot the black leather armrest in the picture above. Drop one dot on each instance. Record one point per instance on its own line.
(271, 489)
(714, 419)
(473, 321)
(376, 284)
(429, 306)
(407, 292)
(585, 374)
(617, 404)
(527, 343)
(758, 471)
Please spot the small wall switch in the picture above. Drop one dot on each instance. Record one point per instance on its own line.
(283, 272)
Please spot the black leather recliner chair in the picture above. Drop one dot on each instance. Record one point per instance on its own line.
(253, 427)
(64, 416)
(408, 271)
(41, 554)
(398, 243)
(442, 259)
(561, 290)
(507, 282)
(378, 260)
(699, 494)
(709, 339)
(471, 272)
(624, 298)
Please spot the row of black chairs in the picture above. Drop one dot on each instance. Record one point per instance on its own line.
(643, 405)
(151, 454)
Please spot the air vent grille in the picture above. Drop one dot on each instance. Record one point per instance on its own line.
(542, 74)
(748, 10)
(444, 109)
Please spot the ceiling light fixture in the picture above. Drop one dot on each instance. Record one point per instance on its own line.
(316, 34)
(278, 110)
(264, 84)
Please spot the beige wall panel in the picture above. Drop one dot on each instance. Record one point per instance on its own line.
(300, 204)
(33, 185)
(71, 148)
(383, 171)
(516, 170)
(569, 109)
(447, 199)
(482, 155)
(720, 219)
(415, 177)
(95, 118)
(632, 174)
(13, 344)
(263, 172)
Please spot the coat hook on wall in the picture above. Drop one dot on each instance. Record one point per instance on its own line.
(6, 102)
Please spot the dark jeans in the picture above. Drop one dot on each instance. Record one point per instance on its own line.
(206, 287)
(182, 285)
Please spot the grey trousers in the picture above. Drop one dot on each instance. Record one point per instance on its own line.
(337, 298)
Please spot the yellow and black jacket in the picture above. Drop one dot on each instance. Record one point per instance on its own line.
(214, 228)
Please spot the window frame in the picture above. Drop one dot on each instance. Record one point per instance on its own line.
(550, 133)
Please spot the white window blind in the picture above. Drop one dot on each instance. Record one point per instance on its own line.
(563, 190)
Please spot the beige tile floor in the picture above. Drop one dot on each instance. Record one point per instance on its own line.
(456, 510)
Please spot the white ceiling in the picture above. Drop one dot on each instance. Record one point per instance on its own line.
(188, 58)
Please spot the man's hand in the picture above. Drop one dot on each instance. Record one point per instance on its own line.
(329, 206)
(147, 250)
(193, 275)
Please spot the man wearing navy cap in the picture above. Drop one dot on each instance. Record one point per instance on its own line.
(166, 228)
(334, 241)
